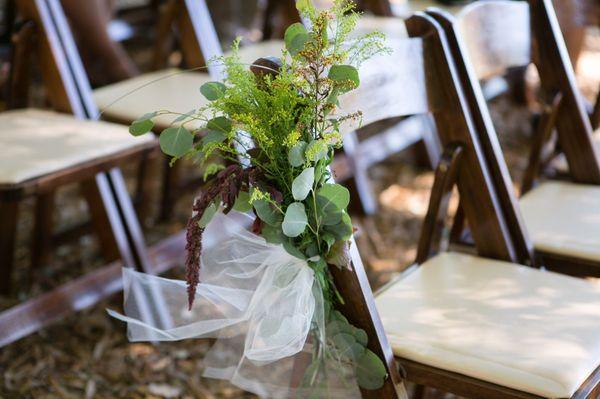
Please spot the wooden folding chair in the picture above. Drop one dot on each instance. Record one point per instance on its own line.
(174, 89)
(45, 150)
(479, 326)
(562, 217)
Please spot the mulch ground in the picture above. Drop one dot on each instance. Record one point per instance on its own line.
(88, 356)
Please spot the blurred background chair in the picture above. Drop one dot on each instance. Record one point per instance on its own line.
(46, 150)
(561, 217)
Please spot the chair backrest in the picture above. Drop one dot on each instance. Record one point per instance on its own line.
(433, 88)
(59, 64)
(498, 34)
(548, 46)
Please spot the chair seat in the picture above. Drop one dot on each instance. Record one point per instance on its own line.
(518, 327)
(564, 218)
(560, 163)
(35, 143)
(170, 89)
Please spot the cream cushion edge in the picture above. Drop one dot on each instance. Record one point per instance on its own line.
(507, 324)
(564, 218)
(37, 142)
(171, 89)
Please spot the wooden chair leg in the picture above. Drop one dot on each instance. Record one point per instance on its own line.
(8, 232)
(101, 220)
(143, 188)
(42, 232)
(445, 179)
(420, 392)
(171, 181)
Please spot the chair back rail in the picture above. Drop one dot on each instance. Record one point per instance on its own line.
(483, 122)
(547, 50)
(494, 38)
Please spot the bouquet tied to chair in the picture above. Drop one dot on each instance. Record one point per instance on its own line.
(269, 225)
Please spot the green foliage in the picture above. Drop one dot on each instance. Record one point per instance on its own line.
(295, 220)
(213, 90)
(302, 184)
(176, 141)
(283, 125)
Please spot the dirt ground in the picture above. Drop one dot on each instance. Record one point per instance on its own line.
(88, 356)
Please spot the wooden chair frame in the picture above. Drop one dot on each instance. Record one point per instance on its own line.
(102, 182)
(464, 166)
(565, 113)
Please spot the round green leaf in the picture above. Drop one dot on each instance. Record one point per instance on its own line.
(302, 184)
(316, 150)
(242, 202)
(219, 124)
(295, 38)
(267, 212)
(213, 136)
(213, 90)
(296, 154)
(370, 371)
(272, 234)
(295, 220)
(335, 194)
(142, 125)
(344, 73)
(176, 141)
(343, 230)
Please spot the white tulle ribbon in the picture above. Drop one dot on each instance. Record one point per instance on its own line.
(256, 298)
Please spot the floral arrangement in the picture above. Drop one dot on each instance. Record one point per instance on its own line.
(276, 125)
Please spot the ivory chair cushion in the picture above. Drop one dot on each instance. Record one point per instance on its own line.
(564, 218)
(35, 143)
(533, 331)
(561, 165)
(170, 89)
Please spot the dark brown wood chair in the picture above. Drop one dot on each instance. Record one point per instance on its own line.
(477, 325)
(188, 24)
(562, 217)
(46, 150)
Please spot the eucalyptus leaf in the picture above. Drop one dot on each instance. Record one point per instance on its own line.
(242, 202)
(142, 125)
(176, 141)
(296, 154)
(316, 150)
(344, 73)
(213, 136)
(213, 90)
(295, 37)
(329, 239)
(336, 195)
(343, 230)
(370, 371)
(208, 214)
(220, 124)
(302, 184)
(295, 220)
(273, 234)
(292, 250)
(267, 212)
(348, 347)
